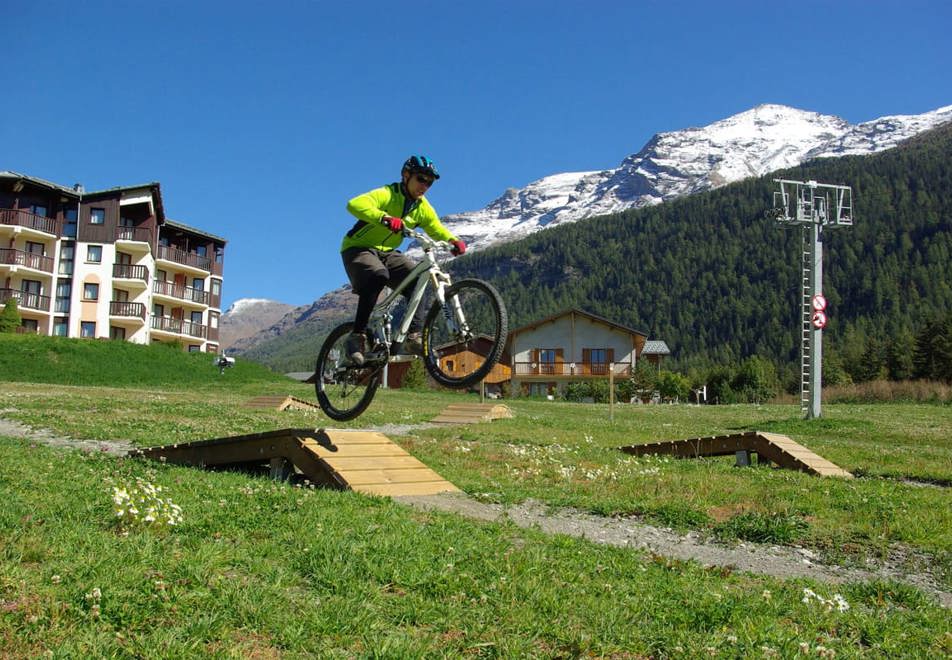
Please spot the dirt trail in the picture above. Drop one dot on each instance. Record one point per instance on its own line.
(777, 561)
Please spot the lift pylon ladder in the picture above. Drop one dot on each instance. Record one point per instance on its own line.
(812, 206)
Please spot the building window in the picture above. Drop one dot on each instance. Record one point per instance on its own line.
(61, 327)
(39, 210)
(94, 254)
(64, 290)
(31, 325)
(90, 291)
(219, 255)
(66, 259)
(97, 216)
(198, 284)
(87, 329)
(69, 226)
(117, 333)
(158, 310)
(213, 320)
(194, 348)
(201, 250)
(197, 318)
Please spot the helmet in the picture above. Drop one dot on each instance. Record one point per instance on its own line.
(421, 164)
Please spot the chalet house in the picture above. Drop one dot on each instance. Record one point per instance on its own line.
(570, 346)
(107, 264)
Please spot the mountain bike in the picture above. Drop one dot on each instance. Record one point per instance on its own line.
(464, 334)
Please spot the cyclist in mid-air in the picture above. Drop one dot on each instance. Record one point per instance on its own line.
(369, 250)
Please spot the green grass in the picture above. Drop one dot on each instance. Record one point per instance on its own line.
(258, 569)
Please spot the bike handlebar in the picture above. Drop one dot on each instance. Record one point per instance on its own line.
(426, 241)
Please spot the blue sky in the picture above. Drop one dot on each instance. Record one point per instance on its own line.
(261, 120)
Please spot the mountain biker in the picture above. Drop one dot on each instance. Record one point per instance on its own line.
(369, 250)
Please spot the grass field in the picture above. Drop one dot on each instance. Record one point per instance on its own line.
(261, 569)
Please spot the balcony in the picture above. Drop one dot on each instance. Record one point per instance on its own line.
(569, 369)
(190, 259)
(25, 300)
(11, 257)
(180, 292)
(130, 272)
(179, 326)
(27, 220)
(135, 234)
(127, 310)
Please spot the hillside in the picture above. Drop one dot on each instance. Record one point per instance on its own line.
(715, 280)
(37, 359)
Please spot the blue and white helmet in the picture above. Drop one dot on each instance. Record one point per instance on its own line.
(421, 164)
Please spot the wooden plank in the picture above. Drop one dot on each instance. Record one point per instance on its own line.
(397, 490)
(403, 475)
(356, 451)
(365, 462)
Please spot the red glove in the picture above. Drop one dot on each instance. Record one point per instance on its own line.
(459, 247)
(393, 224)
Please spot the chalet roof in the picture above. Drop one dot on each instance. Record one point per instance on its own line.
(174, 224)
(655, 347)
(579, 312)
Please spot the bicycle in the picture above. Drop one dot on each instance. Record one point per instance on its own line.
(464, 334)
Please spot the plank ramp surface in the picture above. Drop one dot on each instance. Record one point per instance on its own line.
(774, 447)
(472, 413)
(364, 461)
(280, 403)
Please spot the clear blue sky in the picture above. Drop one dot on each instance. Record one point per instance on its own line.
(261, 119)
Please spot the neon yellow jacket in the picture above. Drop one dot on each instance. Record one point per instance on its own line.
(372, 206)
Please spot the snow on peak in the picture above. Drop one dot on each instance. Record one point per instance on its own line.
(752, 143)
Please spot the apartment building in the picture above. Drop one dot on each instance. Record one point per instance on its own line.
(107, 264)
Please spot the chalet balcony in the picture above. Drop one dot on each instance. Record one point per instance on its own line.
(180, 292)
(26, 300)
(127, 310)
(11, 257)
(570, 369)
(190, 259)
(27, 220)
(179, 326)
(136, 234)
(130, 272)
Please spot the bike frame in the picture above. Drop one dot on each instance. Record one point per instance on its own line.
(380, 317)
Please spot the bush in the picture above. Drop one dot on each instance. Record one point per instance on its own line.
(415, 378)
(10, 316)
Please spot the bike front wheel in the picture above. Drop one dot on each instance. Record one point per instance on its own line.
(344, 390)
(464, 338)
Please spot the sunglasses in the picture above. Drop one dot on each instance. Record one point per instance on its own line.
(423, 180)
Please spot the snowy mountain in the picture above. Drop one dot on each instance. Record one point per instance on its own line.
(752, 143)
(249, 316)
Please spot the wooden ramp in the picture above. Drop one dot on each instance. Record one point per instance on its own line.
(772, 447)
(363, 461)
(280, 403)
(472, 413)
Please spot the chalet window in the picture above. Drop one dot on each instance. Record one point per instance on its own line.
(90, 291)
(31, 325)
(598, 359)
(66, 259)
(33, 247)
(116, 332)
(94, 254)
(197, 318)
(97, 216)
(87, 329)
(216, 287)
(64, 289)
(39, 210)
(60, 327)
(119, 295)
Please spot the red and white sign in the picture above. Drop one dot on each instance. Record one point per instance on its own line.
(819, 320)
(819, 302)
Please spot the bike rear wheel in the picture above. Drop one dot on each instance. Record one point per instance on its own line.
(344, 390)
(464, 339)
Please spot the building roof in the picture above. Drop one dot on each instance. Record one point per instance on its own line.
(173, 224)
(655, 347)
(78, 192)
(6, 174)
(580, 312)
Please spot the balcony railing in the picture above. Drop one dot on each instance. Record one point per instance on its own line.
(30, 220)
(26, 300)
(185, 258)
(140, 234)
(130, 272)
(179, 326)
(621, 369)
(131, 309)
(11, 257)
(181, 292)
